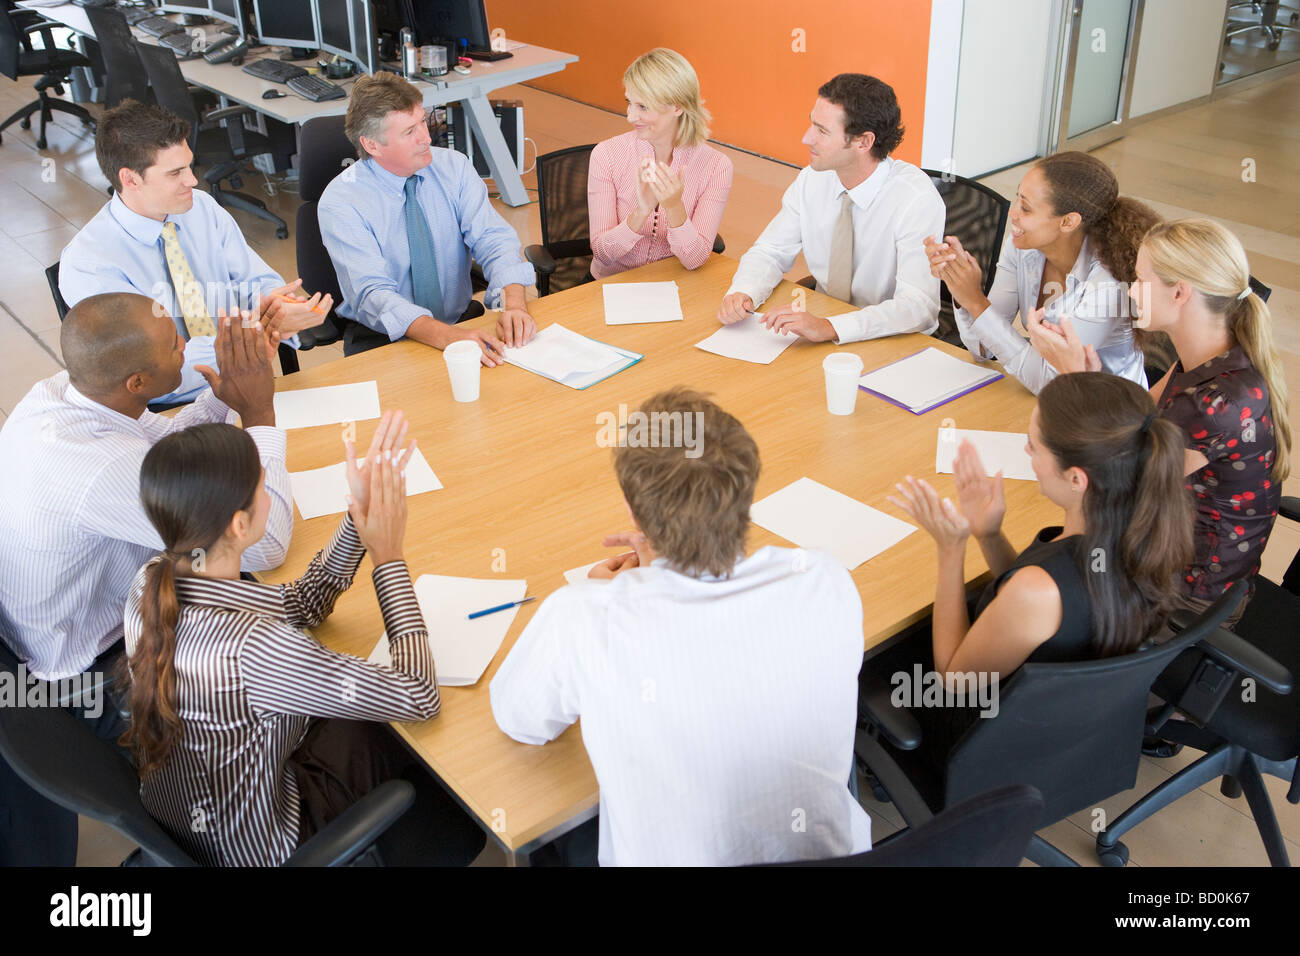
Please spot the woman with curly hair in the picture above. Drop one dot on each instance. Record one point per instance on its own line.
(1068, 257)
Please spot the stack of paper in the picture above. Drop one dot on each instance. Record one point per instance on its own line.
(574, 575)
(571, 359)
(329, 405)
(629, 303)
(926, 380)
(814, 516)
(748, 340)
(321, 491)
(998, 451)
(462, 649)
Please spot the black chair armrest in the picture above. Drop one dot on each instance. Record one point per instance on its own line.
(907, 799)
(808, 282)
(1236, 652)
(540, 259)
(897, 724)
(352, 832)
(1289, 507)
(227, 112)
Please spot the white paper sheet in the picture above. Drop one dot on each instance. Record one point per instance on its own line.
(997, 450)
(462, 649)
(571, 359)
(321, 491)
(748, 340)
(328, 405)
(574, 575)
(815, 516)
(926, 379)
(630, 303)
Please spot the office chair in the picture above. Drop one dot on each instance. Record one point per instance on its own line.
(1158, 352)
(1243, 733)
(1266, 11)
(1074, 731)
(324, 152)
(563, 260)
(125, 78)
(52, 65)
(977, 215)
(988, 829)
(222, 151)
(59, 756)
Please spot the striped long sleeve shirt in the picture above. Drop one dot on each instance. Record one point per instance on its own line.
(248, 682)
(73, 528)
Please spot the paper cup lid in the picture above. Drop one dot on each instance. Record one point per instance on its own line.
(842, 362)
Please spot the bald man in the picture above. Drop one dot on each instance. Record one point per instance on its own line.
(74, 531)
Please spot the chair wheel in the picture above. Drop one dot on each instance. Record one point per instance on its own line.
(1274, 44)
(282, 232)
(1116, 855)
(41, 143)
(25, 122)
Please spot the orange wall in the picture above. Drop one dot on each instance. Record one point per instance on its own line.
(758, 90)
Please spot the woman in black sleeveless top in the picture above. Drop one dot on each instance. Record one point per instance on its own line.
(1098, 585)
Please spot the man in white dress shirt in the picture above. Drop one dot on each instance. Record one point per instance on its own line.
(717, 692)
(74, 530)
(859, 217)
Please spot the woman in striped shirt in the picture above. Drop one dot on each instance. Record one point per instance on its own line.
(225, 682)
(658, 190)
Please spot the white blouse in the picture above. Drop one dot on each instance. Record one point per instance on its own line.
(1097, 304)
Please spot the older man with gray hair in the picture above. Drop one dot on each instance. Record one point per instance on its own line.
(401, 227)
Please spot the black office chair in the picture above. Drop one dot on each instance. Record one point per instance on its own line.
(52, 65)
(989, 829)
(52, 277)
(1074, 731)
(125, 78)
(1158, 352)
(59, 757)
(563, 260)
(324, 151)
(978, 217)
(1243, 734)
(222, 150)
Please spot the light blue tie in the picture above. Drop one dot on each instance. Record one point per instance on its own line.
(425, 288)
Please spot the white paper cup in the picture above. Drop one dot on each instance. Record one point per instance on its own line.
(464, 360)
(843, 369)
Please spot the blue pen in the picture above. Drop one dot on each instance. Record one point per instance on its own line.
(500, 607)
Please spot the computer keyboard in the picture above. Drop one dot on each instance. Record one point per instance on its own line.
(316, 89)
(158, 26)
(278, 71)
(182, 44)
(136, 14)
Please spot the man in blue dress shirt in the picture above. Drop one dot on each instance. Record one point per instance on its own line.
(402, 224)
(160, 237)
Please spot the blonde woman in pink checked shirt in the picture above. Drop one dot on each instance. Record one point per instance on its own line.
(658, 190)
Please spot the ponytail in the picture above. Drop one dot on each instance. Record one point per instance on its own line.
(155, 725)
(1250, 326)
(1117, 235)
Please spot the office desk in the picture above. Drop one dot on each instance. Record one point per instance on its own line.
(528, 493)
(528, 63)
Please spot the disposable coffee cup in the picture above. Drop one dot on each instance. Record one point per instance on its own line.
(464, 360)
(843, 369)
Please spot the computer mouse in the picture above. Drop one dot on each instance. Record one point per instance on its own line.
(272, 95)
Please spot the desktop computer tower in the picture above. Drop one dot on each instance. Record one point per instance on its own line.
(455, 133)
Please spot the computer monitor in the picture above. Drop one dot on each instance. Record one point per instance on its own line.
(290, 23)
(365, 40)
(193, 9)
(334, 26)
(392, 15)
(452, 20)
(227, 11)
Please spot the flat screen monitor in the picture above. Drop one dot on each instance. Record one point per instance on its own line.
(365, 48)
(195, 7)
(228, 11)
(452, 20)
(392, 15)
(334, 26)
(288, 23)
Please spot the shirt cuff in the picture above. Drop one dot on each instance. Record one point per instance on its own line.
(212, 408)
(519, 274)
(848, 327)
(397, 600)
(342, 556)
(270, 441)
(998, 336)
(395, 321)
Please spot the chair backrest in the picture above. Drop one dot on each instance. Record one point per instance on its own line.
(977, 215)
(126, 75)
(1074, 731)
(323, 152)
(1261, 290)
(170, 87)
(52, 277)
(562, 203)
(59, 756)
(10, 45)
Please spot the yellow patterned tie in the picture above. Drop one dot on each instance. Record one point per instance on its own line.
(189, 293)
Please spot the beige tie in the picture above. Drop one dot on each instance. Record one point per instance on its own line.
(189, 293)
(839, 277)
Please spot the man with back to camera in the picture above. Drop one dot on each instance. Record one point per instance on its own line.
(162, 238)
(860, 218)
(401, 226)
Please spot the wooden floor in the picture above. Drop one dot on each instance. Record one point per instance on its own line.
(1188, 163)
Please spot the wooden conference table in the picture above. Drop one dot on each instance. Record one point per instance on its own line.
(528, 493)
